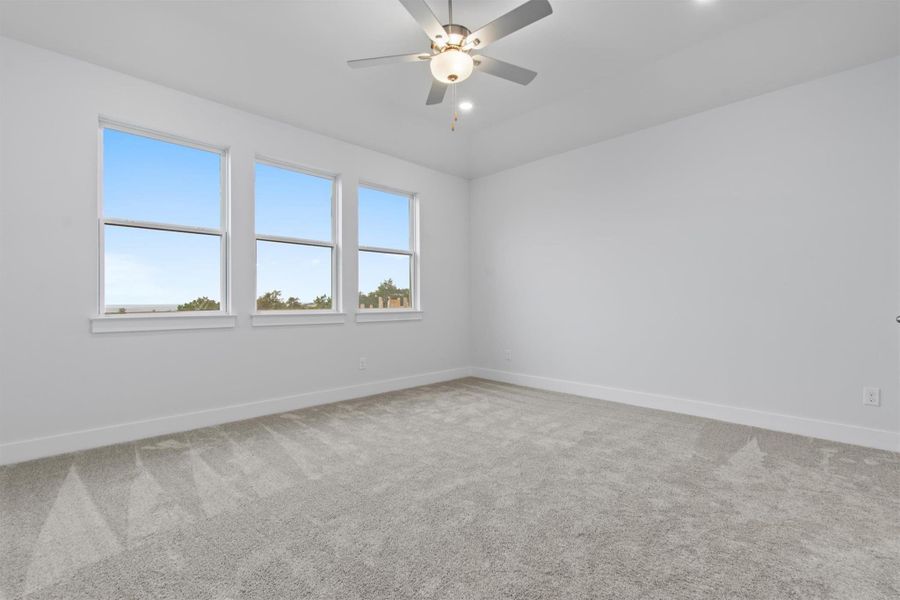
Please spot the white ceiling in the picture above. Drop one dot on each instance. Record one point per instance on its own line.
(606, 67)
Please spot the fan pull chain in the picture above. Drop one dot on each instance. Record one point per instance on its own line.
(454, 111)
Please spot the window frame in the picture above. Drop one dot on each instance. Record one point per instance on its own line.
(323, 316)
(414, 312)
(104, 322)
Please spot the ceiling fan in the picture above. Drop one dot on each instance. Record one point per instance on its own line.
(455, 50)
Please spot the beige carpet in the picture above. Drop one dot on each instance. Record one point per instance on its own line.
(468, 489)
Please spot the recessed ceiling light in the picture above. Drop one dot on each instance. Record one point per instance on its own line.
(465, 105)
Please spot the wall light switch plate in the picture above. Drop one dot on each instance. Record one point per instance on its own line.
(872, 396)
(363, 363)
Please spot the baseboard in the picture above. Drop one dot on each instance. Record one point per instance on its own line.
(18, 451)
(836, 432)
(14, 452)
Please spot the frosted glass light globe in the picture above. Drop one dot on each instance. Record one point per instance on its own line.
(452, 66)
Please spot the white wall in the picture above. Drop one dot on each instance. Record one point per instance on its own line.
(57, 378)
(745, 257)
(742, 263)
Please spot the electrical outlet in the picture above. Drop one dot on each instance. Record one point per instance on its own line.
(872, 396)
(363, 363)
(507, 355)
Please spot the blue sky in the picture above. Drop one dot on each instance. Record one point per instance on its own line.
(292, 204)
(150, 180)
(383, 219)
(159, 267)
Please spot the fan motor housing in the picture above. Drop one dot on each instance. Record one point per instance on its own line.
(456, 35)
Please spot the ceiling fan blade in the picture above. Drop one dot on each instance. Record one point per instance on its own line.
(514, 20)
(436, 94)
(425, 18)
(388, 60)
(504, 70)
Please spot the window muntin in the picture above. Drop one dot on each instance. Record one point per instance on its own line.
(162, 216)
(296, 254)
(387, 249)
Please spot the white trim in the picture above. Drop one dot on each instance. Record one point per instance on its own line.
(101, 251)
(837, 432)
(161, 322)
(125, 127)
(278, 317)
(153, 226)
(223, 232)
(385, 188)
(415, 269)
(225, 302)
(281, 239)
(413, 252)
(376, 249)
(18, 451)
(292, 166)
(375, 315)
(334, 244)
(337, 232)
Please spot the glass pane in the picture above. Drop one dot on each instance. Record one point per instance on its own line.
(383, 219)
(384, 280)
(292, 276)
(150, 180)
(293, 204)
(160, 271)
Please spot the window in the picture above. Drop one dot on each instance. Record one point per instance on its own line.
(295, 239)
(162, 224)
(387, 250)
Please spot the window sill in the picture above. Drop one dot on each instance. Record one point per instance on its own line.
(375, 315)
(277, 318)
(160, 322)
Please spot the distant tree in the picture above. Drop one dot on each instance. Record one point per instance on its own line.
(271, 301)
(321, 302)
(386, 290)
(201, 303)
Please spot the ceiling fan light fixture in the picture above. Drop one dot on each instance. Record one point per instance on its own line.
(451, 43)
(452, 66)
